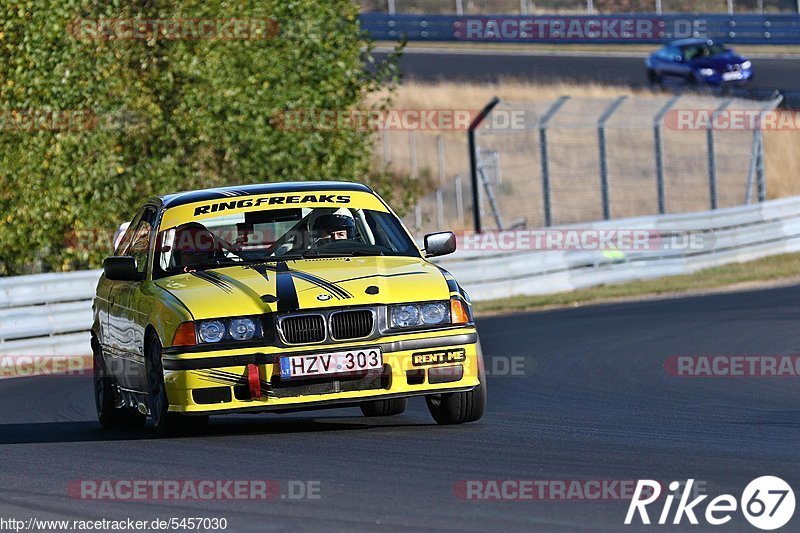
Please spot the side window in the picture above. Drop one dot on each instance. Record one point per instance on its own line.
(138, 245)
(125, 242)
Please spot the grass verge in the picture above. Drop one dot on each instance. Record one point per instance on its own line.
(770, 269)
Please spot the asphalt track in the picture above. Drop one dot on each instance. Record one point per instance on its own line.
(498, 65)
(593, 402)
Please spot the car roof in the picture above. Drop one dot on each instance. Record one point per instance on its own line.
(186, 197)
(690, 42)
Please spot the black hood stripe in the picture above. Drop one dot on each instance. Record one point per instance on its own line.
(452, 285)
(214, 280)
(284, 287)
(370, 276)
(324, 284)
(317, 281)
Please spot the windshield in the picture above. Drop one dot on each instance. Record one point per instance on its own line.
(279, 234)
(702, 50)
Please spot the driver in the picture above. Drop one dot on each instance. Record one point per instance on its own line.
(333, 227)
(194, 246)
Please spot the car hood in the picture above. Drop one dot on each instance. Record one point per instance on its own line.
(719, 61)
(306, 284)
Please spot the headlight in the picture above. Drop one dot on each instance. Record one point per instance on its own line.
(242, 329)
(236, 329)
(707, 72)
(435, 313)
(416, 315)
(746, 65)
(405, 316)
(212, 331)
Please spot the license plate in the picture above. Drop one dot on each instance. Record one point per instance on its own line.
(728, 76)
(330, 364)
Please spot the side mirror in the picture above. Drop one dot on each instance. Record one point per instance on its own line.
(121, 268)
(441, 243)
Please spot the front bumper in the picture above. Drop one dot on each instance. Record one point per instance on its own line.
(719, 80)
(215, 382)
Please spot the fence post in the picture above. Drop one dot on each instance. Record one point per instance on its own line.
(712, 161)
(441, 160)
(760, 180)
(548, 216)
(473, 161)
(439, 210)
(590, 7)
(659, 152)
(391, 7)
(459, 7)
(601, 141)
(658, 7)
(387, 157)
(459, 201)
(412, 152)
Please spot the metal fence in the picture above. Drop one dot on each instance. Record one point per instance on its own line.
(783, 29)
(582, 7)
(585, 159)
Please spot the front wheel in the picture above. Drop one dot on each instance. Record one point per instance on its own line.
(108, 414)
(460, 407)
(392, 407)
(653, 79)
(165, 423)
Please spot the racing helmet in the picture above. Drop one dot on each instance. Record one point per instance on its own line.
(325, 226)
(194, 245)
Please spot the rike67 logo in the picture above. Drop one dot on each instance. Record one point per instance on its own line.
(767, 503)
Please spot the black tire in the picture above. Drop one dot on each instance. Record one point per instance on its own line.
(460, 407)
(392, 407)
(165, 423)
(653, 79)
(109, 415)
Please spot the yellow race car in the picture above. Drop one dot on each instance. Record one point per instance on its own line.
(279, 297)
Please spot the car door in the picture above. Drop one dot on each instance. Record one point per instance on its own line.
(127, 318)
(672, 67)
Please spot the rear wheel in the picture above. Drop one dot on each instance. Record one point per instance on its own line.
(653, 78)
(165, 423)
(460, 407)
(392, 407)
(109, 415)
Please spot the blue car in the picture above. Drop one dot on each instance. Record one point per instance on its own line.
(698, 62)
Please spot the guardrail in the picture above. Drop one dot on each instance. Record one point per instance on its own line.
(47, 314)
(50, 314)
(641, 28)
(731, 235)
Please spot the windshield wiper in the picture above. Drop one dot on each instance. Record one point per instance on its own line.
(338, 253)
